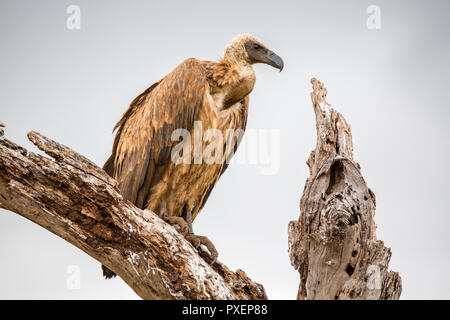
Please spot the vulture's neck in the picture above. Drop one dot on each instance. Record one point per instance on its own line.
(234, 78)
(235, 58)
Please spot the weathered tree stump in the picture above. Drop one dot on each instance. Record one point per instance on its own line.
(333, 244)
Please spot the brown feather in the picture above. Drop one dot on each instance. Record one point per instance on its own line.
(143, 135)
(221, 74)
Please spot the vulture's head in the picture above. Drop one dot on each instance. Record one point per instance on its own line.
(246, 48)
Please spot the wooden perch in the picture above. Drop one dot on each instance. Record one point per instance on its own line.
(76, 200)
(333, 244)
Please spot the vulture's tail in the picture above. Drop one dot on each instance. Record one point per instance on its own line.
(108, 274)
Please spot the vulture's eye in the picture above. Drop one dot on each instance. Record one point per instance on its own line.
(256, 46)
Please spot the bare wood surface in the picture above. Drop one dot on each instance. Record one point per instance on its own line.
(333, 244)
(76, 200)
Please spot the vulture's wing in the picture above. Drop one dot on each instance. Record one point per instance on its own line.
(143, 139)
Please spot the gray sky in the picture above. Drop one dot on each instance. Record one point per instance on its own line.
(391, 85)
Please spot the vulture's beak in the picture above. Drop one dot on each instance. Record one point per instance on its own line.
(274, 60)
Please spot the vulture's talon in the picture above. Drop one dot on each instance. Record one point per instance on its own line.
(194, 240)
(209, 253)
(179, 224)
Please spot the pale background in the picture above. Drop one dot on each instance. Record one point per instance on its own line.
(392, 85)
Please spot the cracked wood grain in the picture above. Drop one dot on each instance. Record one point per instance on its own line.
(333, 244)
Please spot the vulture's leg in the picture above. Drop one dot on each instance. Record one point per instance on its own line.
(177, 222)
(197, 240)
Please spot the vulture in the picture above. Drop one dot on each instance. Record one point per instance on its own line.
(215, 94)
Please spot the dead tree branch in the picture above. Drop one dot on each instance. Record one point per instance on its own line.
(333, 244)
(76, 200)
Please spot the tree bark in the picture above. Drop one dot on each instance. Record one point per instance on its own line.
(333, 244)
(76, 200)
